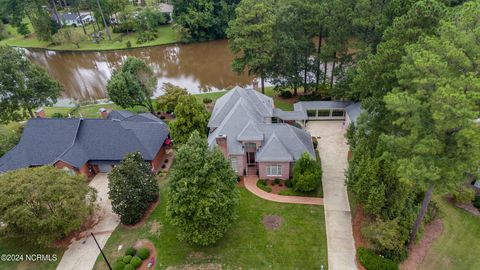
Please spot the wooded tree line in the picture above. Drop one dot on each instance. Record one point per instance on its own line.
(421, 92)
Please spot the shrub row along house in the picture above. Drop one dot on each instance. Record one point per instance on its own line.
(88, 146)
(257, 138)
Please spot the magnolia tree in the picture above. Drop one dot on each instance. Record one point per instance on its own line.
(132, 186)
(203, 197)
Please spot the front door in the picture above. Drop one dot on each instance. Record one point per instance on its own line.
(251, 159)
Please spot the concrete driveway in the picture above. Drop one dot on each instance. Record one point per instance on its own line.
(82, 253)
(333, 152)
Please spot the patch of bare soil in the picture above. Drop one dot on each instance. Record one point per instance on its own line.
(357, 222)
(272, 222)
(155, 227)
(153, 253)
(419, 251)
(469, 208)
(203, 266)
(142, 221)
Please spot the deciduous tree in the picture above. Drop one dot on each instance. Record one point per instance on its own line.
(307, 174)
(171, 94)
(190, 116)
(43, 204)
(203, 196)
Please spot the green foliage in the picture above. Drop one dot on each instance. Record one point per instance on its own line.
(143, 253)
(372, 261)
(251, 36)
(127, 258)
(118, 265)
(203, 196)
(476, 202)
(130, 251)
(58, 115)
(129, 267)
(171, 94)
(263, 185)
(8, 139)
(207, 100)
(190, 116)
(132, 186)
(288, 183)
(201, 20)
(132, 85)
(43, 25)
(149, 19)
(315, 142)
(386, 236)
(307, 174)
(146, 36)
(463, 195)
(68, 35)
(43, 204)
(129, 44)
(25, 86)
(286, 94)
(136, 262)
(23, 30)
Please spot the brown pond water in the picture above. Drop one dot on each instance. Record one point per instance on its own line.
(200, 67)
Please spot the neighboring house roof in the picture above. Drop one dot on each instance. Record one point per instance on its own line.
(119, 114)
(66, 17)
(241, 116)
(76, 141)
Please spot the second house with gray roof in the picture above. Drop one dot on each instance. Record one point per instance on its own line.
(255, 136)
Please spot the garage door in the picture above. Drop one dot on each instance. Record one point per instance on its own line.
(105, 168)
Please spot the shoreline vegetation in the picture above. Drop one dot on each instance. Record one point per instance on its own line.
(166, 36)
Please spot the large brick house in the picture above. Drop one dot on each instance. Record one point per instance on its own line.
(257, 138)
(88, 146)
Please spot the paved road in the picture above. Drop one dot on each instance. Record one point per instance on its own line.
(333, 152)
(251, 185)
(82, 253)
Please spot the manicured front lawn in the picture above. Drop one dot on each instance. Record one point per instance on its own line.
(17, 246)
(300, 243)
(459, 244)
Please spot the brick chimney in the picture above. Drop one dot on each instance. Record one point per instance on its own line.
(103, 113)
(221, 140)
(255, 84)
(40, 113)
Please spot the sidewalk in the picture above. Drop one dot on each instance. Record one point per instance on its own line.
(251, 185)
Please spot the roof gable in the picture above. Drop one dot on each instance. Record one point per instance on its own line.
(250, 133)
(274, 150)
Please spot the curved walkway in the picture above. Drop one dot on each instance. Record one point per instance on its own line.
(251, 185)
(338, 219)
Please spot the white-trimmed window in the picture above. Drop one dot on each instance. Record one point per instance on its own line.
(274, 170)
(234, 163)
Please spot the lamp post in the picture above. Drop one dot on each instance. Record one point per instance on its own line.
(104, 257)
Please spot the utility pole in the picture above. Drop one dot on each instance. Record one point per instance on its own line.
(107, 30)
(104, 257)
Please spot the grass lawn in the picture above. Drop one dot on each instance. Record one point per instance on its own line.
(17, 246)
(300, 243)
(458, 246)
(166, 35)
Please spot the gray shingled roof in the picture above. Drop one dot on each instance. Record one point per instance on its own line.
(240, 115)
(76, 141)
(274, 151)
(292, 115)
(354, 110)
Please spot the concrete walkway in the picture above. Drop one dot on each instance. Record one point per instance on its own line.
(333, 152)
(251, 185)
(82, 253)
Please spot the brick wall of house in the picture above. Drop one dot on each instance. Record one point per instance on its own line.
(156, 162)
(286, 169)
(241, 163)
(84, 170)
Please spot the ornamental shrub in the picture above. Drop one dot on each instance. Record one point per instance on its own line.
(372, 261)
(127, 258)
(288, 183)
(143, 253)
(307, 174)
(130, 251)
(286, 94)
(136, 261)
(463, 195)
(118, 265)
(129, 267)
(146, 36)
(207, 100)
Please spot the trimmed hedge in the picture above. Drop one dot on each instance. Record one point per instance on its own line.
(136, 261)
(119, 265)
(371, 261)
(262, 184)
(129, 267)
(207, 100)
(130, 251)
(127, 258)
(143, 253)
